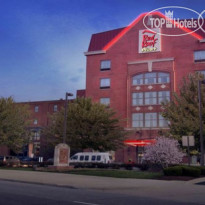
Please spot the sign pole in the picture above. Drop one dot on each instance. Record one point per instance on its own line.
(188, 149)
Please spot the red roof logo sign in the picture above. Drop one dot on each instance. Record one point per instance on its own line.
(149, 41)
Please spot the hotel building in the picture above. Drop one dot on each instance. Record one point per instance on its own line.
(133, 70)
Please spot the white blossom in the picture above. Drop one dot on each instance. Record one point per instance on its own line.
(165, 152)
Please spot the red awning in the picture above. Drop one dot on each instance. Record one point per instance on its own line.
(140, 142)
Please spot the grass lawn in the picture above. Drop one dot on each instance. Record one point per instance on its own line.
(18, 168)
(117, 173)
(102, 172)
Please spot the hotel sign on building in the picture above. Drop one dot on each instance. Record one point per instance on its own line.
(149, 40)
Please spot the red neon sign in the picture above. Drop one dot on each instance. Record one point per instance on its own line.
(126, 29)
(140, 143)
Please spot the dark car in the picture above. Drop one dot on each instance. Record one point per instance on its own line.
(28, 161)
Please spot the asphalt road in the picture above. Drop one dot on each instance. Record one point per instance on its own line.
(15, 193)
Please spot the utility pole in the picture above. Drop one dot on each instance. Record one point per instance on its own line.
(65, 116)
(200, 120)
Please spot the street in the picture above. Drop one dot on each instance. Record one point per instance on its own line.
(26, 193)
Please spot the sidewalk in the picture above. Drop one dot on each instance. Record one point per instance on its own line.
(184, 191)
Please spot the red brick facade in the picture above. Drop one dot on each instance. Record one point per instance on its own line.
(40, 112)
(175, 58)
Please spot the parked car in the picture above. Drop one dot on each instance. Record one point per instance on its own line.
(50, 161)
(29, 162)
(9, 161)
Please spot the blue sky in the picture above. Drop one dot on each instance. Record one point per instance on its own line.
(42, 41)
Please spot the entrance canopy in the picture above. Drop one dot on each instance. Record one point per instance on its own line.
(141, 143)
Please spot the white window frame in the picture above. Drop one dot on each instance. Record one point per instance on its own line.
(148, 120)
(137, 99)
(149, 78)
(36, 108)
(165, 96)
(105, 83)
(105, 101)
(138, 120)
(199, 56)
(105, 65)
(151, 119)
(55, 108)
(150, 98)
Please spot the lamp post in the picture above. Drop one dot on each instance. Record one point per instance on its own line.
(65, 115)
(200, 120)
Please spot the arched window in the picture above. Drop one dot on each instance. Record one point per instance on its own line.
(151, 78)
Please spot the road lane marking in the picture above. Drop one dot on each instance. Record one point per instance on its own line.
(81, 202)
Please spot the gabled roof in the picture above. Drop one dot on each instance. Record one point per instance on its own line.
(99, 40)
(104, 40)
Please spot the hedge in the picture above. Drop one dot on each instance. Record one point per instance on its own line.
(173, 171)
(191, 171)
(183, 171)
(202, 169)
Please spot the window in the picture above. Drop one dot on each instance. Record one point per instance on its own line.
(36, 135)
(105, 101)
(93, 158)
(86, 158)
(199, 56)
(150, 98)
(163, 78)
(137, 120)
(105, 65)
(163, 96)
(98, 158)
(137, 99)
(35, 122)
(151, 78)
(105, 83)
(202, 72)
(55, 108)
(81, 158)
(137, 80)
(75, 157)
(36, 108)
(150, 119)
(162, 121)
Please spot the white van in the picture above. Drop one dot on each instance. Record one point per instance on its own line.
(92, 157)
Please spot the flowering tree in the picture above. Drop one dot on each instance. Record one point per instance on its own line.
(164, 152)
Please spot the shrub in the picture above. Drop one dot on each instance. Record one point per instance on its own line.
(183, 171)
(191, 171)
(173, 171)
(128, 166)
(144, 166)
(202, 169)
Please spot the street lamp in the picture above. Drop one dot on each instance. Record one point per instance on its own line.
(200, 120)
(65, 115)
